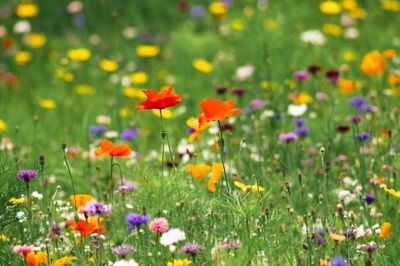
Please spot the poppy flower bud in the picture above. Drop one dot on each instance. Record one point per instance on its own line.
(322, 150)
(287, 185)
(163, 134)
(339, 208)
(41, 160)
(63, 146)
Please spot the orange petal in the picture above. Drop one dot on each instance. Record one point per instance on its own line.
(121, 150)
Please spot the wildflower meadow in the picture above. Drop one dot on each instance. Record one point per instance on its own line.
(199, 132)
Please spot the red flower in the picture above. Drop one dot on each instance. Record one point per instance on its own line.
(216, 110)
(91, 226)
(108, 148)
(160, 100)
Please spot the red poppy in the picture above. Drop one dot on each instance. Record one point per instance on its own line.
(160, 100)
(108, 148)
(216, 110)
(91, 226)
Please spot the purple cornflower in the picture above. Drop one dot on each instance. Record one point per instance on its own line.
(320, 240)
(342, 128)
(97, 130)
(127, 186)
(198, 11)
(97, 209)
(288, 137)
(338, 261)
(221, 90)
(130, 133)
(239, 91)
(190, 130)
(302, 131)
(367, 108)
(369, 198)
(255, 104)
(27, 174)
(332, 75)
(301, 75)
(357, 101)
(299, 122)
(78, 20)
(363, 136)
(192, 249)
(229, 244)
(314, 69)
(372, 247)
(355, 119)
(123, 250)
(136, 220)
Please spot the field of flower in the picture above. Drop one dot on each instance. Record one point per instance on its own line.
(191, 132)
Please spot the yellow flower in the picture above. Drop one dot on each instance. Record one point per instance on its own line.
(237, 25)
(166, 113)
(26, 10)
(392, 192)
(15, 201)
(330, 7)
(23, 57)
(202, 65)
(302, 98)
(36, 40)
(108, 65)
(218, 9)
(336, 237)
(147, 51)
(3, 237)
(373, 63)
(332, 29)
(124, 112)
(84, 90)
(63, 261)
(389, 53)
(349, 56)
(3, 125)
(47, 103)
(391, 5)
(197, 131)
(385, 230)
(247, 188)
(65, 75)
(179, 262)
(139, 77)
(79, 54)
(134, 93)
(357, 13)
(349, 4)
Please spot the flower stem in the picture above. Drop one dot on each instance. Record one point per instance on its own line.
(111, 184)
(221, 140)
(70, 175)
(28, 199)
(164, 135)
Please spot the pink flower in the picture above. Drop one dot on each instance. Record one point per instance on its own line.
(23, 249)
(159, 225)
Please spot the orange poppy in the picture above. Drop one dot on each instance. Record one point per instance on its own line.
(217, 169)
(81, 199)
(35, 259)
(108, 148)
(160, 100)
(216, 110)
(198, 171)
(63, 261)
(93, 225)
(385, 230)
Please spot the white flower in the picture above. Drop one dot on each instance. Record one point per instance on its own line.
(126, 263)
(314, 37)
(360, 232)
(22, 26)
(103, 120)
(111, 134)
(37, 195)
(297, 110)
(351, 33)
(172, 236)
(244, 73)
